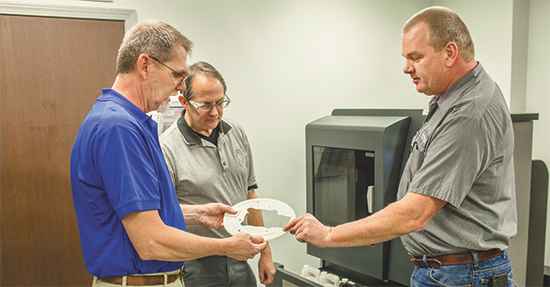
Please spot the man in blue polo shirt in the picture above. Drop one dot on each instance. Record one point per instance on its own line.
(132, 228)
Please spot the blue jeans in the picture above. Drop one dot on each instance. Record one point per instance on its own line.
(463, 274)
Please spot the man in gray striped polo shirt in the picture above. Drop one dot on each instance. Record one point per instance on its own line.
(210, 160)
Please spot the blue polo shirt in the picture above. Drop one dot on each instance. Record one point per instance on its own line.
(117, 167)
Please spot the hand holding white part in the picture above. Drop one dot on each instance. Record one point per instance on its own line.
(209, 215)
(244, 246)
(309, 229)
(233, 222)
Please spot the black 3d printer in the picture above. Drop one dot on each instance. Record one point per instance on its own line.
(354, 160)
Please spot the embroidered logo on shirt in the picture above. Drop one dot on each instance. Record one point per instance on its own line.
(422, 140)
(240, 156)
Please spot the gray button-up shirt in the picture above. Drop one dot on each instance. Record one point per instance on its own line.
(463, 154)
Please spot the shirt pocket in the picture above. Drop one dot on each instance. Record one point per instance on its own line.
(418, 150)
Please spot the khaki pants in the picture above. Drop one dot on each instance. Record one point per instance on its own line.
(178, 283)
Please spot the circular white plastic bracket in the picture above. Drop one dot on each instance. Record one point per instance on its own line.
(233, 222)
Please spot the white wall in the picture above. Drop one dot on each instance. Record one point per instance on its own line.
(290, 62)
(538, 88)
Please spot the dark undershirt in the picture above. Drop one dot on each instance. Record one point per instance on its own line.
(213, 138)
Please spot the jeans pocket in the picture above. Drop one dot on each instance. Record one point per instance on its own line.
(451, 277)
(484, 276)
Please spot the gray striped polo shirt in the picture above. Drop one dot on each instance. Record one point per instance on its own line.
(203, 172)
(463, 154)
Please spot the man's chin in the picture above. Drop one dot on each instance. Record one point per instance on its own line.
(422, 90)
(164, 107)
(212, 124)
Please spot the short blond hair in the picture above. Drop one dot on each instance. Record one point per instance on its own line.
(444, 26)
(152, 37)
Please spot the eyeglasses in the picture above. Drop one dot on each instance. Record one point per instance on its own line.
(203, 108)
(183, 76)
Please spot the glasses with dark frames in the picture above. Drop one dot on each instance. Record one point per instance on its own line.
(183, 76)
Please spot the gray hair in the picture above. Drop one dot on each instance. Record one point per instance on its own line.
(205, 69)
(152, 37)
(444, 26)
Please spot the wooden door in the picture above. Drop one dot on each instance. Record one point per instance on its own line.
(51, 72)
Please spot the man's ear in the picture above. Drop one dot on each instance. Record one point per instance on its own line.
(182, 100)
(451, 53)
(142, 65)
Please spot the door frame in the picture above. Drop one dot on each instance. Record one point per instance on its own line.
(129, 16)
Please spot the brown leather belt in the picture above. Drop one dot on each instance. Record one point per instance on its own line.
(455, 259)
(145, 280)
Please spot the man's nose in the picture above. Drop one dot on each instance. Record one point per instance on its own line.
(409, 68)
(213, 111)
(181, 87)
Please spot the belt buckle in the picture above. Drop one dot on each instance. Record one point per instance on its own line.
(416, 262)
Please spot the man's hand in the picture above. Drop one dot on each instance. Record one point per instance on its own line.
(308, 229)
(244, 246)
(266, 269)
(212, 214)
(209, 215)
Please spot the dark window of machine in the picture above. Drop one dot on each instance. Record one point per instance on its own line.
(343, 181)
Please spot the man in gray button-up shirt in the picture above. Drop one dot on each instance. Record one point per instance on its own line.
(456, 208)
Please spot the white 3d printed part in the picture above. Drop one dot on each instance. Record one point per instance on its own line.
(233, 222)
